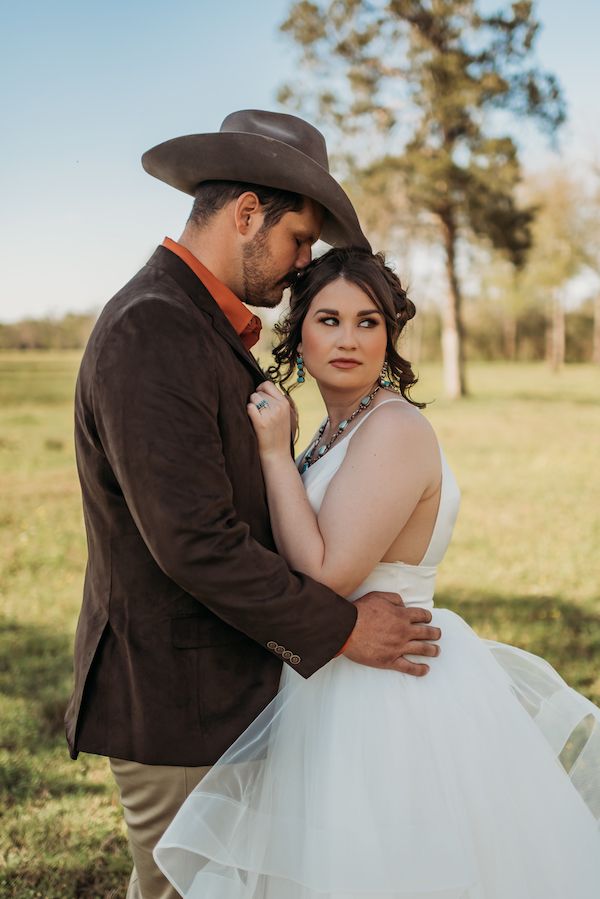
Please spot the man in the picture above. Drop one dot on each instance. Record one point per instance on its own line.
(188, 612)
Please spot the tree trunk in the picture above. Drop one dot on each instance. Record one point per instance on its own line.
(417, 349)
(413, 340)
(509, 328)
(555, 343)
(596, 341)
(452, 325)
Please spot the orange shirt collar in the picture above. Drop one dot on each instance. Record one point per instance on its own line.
(244, 322)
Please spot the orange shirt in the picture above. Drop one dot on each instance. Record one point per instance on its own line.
(244, 322)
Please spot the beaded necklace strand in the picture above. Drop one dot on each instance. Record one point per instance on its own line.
(310, 458)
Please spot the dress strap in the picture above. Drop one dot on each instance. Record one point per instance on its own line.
(363, 418)
(344, 440)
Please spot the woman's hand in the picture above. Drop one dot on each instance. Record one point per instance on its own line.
(272, 422)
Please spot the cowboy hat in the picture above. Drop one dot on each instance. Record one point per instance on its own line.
(270, 149)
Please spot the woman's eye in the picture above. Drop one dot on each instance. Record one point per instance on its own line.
(329, 319)
(369, 322)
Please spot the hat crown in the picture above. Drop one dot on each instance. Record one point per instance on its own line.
(287, 129)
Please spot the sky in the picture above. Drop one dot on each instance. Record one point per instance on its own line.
(86, 88)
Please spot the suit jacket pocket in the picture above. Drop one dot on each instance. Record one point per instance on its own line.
(198, 631)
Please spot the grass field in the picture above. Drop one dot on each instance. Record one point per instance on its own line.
(524, 567)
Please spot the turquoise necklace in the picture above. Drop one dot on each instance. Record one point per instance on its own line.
(310, 458)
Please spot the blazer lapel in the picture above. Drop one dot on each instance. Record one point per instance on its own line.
(199, 295)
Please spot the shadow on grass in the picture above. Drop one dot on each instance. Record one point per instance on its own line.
(564, 633)
(35, 681)
(27, 775)
(100, 875)
(36, 667)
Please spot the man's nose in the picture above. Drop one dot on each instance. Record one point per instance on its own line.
(304, 256)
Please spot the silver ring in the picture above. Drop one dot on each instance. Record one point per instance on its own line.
(262, 404)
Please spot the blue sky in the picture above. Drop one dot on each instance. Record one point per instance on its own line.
(86, 87)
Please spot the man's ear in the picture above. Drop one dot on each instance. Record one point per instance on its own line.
(248, 214)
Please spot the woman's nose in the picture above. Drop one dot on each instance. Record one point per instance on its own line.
(346, 338)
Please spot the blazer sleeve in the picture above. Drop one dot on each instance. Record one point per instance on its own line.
(155, 401)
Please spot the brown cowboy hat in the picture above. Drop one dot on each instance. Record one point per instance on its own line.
(266, 148)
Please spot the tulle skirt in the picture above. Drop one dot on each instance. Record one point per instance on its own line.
(479, 781)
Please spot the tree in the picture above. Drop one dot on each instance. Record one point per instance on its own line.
(70, 332)
(418, 91)
(596, 338)
(558, 252)
(500, 290)
(592, 249)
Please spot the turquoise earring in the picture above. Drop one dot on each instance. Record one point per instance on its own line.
(384, 377)
(300, 363)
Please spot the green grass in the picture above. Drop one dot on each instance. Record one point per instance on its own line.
(524, 567)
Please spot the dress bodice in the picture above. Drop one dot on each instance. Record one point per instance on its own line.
(415, 583)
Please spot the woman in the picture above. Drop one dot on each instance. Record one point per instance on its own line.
(480, 780)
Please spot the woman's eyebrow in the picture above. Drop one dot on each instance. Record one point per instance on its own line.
(358, 314)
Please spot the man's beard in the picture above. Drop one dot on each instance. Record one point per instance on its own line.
(261, 288)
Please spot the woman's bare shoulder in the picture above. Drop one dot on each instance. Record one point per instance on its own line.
(394, 422)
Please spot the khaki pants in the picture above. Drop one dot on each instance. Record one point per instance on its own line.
(151, 795)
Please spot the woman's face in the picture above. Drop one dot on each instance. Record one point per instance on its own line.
(344, 338)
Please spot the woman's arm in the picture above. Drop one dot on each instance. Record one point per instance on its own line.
(388, 467)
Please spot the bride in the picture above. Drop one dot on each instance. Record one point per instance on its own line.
(480, 780)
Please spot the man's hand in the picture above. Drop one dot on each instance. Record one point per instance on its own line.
(385, 630)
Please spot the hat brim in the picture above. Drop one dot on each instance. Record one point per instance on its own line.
(184, 162)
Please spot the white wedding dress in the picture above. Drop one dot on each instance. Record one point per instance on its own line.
(480, 780)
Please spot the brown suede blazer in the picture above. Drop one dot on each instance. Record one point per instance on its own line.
(187, 609)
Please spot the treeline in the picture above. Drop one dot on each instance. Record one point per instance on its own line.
(67, 333)
(491, 334)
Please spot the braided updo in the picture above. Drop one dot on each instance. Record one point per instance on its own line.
(369, 272)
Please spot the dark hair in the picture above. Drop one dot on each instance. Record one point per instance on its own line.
(369, 272)
(211, 196)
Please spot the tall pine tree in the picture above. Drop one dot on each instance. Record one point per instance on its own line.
(419, 90)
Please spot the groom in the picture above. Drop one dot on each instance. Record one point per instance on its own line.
(188, 611)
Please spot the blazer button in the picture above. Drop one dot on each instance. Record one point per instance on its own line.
(280, 650)
(271, 644)
(295, 659)
(287, 654)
